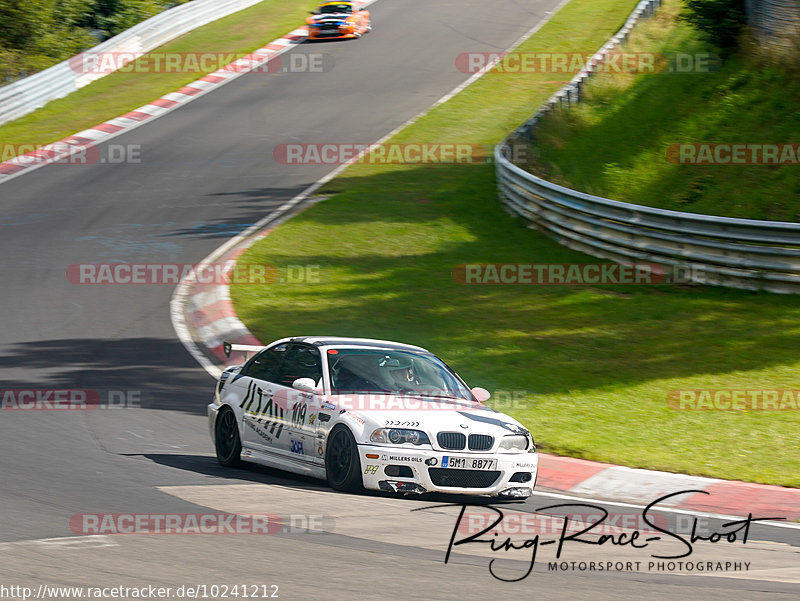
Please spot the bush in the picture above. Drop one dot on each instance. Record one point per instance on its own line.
(719, 22)
(36, 34)
(112, 17)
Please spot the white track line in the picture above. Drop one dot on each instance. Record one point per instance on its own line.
(660, 508)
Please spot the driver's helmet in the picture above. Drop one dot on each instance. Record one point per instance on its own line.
(400, 368)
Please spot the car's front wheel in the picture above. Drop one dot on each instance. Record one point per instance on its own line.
(226, 439)
(342, 463)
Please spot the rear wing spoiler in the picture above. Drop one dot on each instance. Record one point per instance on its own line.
(228, 348)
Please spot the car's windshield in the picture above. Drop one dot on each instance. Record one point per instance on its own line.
(393, 371)
(335, 8)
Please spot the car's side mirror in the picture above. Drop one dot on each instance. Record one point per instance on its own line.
(305, 385)
(481, 394)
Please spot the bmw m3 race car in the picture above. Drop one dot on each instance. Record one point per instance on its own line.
(371, 414)
(338, 20)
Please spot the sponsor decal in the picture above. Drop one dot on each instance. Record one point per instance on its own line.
(394, 422)
(266, 411)
(371, 469)
(356, 418)
(320, 448)
(298, 414)
(312, 418)
(495, 422)
(329, 406)
(259, 431)
(402, 458)
(297, 447)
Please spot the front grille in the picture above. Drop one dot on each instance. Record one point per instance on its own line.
(463, 478)
(329, 26)
(452, 441)
(480, 442)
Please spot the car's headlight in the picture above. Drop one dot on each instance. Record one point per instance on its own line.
(399, 436)
(515, 442)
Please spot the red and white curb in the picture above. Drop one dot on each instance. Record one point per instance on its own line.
(81, 142)
(638, 486)
(209, 313)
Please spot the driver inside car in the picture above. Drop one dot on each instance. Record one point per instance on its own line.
(400, 372)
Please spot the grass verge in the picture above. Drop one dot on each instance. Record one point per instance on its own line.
(587, 369)
(121, 92)
(617, 142)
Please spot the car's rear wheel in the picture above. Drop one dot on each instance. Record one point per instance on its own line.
(226, 439)
(342, 463)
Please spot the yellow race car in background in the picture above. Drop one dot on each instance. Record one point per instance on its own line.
(338, 20)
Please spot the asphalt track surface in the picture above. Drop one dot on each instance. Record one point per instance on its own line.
(206, 173)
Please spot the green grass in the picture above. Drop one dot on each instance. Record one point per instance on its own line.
(615, 143)
(121, 92)
(590, 367)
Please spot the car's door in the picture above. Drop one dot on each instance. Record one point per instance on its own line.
(263, 414)
(302, 408)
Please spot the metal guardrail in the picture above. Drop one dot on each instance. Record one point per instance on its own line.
(705, 249)
(32, 92)
(776, 23)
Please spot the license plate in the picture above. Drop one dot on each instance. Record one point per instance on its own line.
(468, 463)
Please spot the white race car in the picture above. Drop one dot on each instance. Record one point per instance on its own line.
(368, 414)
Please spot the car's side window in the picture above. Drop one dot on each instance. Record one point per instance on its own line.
(266, 365)
(300, 362)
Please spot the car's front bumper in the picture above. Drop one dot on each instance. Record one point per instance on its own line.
(428, 475)
(315, 34)
(213, 411)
